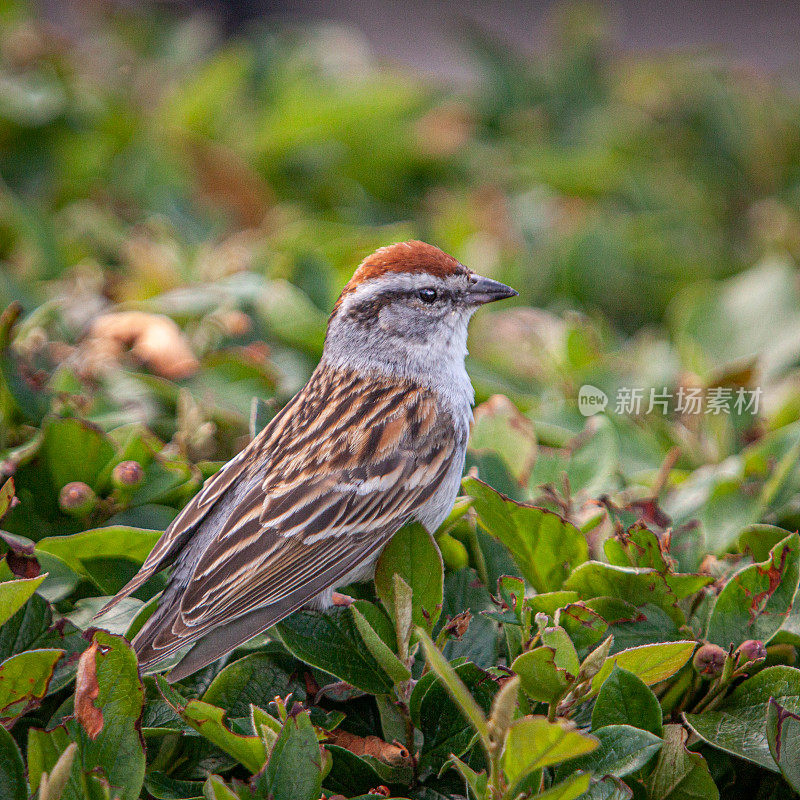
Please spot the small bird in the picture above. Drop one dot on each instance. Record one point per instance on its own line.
(375, 439)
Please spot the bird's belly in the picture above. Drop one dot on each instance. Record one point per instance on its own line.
(435, 510)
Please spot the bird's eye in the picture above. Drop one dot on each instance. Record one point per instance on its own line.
(427, 295)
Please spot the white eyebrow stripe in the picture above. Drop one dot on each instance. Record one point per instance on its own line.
(398, 282)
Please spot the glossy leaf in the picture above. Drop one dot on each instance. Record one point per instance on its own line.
(756, 601)
(117, 541)
(623, 749)
(678, 773)
(294, 769)
(534, 743)
(14, 595)
(650, 663)
(331, 641)
(783, 736)
(12, 771)
(540, 676)
(208, 721)
(573, 787)
(382, 653)
(75, 450)
(24, 680)
(739, 725)
(544, 546)
(625, 699)
(465, 703)
(413, 555)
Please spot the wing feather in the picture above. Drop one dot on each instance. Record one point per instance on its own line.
(322, 497)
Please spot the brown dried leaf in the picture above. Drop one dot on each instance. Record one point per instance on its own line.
(86, 691)
(390, 753)
(153, 338)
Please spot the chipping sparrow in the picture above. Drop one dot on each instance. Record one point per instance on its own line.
(376, 438)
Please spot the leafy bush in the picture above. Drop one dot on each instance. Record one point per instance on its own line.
(608, 611)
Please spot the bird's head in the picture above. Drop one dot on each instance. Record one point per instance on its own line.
(408, 301)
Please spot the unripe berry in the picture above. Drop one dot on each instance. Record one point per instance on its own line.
(709, 659)
(127, 475)
(749, 652)
(77, 499)
(454, 554)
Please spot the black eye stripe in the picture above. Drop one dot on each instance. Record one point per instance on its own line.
(427, 295)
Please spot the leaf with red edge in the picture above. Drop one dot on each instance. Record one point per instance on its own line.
(756, 601)
(24, 679)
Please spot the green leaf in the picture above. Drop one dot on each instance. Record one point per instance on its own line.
(566, 657)
(725, 512)
(500, 428)
(636, 547)
(455, 686)
(116, 541)
(584, 626)
(6, 496)
(215, 789)
(53, 784)
(208, 721)
(623, 749)
(758, 539)
(573, 787)
(544, 546)
(783, 735)
(444, 725)
(534, 743)
(116, 621)
(636, 585)
(24, 680)
(477, 781)
(331, 641)
(739, 725)
(44, 750)
(608, 788)
(413, 555)
(390, 663)
(118, 750)
(651, 663)
(256, 678)
(14, 595)
(625, 699)
(75, 450)
(163, 787)
(540, 676)
(756, 601)
(679, 774)
(549, 602)
(294, 769)
(12, 770)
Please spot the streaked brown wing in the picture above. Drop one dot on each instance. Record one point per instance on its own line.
(336, 489)
(180, 530)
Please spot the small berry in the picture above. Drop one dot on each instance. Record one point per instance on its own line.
(750, 652)
(127, 475)
(77, 499)
(709, 660)
(454, 554)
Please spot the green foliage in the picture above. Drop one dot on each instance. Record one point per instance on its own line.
(540, 643)
(624, 699)
(739, 724)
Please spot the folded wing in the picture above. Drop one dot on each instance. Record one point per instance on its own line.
(341, 480)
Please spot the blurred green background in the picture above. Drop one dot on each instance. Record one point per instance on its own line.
(646, 206)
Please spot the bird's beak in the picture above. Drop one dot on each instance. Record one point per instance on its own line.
(484, 290)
